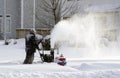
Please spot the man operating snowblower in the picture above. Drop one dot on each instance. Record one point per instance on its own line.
(30, 47)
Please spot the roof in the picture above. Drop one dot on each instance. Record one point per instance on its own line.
(103, 8)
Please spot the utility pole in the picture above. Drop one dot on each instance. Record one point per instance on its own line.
(4, 21)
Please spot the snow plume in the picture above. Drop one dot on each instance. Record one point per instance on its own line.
(86, 34)
(78, 31)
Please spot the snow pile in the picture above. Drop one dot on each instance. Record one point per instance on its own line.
(12, 51)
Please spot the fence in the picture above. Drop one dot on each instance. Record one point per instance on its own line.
(20, 33)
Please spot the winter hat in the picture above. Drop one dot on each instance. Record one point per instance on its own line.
(32, 31)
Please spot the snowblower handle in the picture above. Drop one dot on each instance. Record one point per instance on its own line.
(41, 56)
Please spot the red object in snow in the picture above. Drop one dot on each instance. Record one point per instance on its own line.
(62, 61)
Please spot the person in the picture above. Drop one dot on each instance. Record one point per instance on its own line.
(62, 60)
(31, 46)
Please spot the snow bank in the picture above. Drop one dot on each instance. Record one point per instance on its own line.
(98, 74)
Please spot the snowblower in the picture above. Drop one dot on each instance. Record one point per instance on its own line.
(47, 57)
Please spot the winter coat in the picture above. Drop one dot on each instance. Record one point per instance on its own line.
(30, 42)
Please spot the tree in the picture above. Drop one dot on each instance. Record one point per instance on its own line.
(49, 12)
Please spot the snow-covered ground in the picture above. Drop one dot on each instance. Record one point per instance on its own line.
(80, 61)
(12, 57)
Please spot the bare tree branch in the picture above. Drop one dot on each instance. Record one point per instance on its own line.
(53, 10)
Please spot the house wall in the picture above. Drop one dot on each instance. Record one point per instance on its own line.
(1, 6)
(13, 10)
(107, 16)
(28, 13)
(84, 4)
(1, 13)
(107, 24)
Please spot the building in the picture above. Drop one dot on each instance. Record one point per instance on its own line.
(12, 17)
(20, 14)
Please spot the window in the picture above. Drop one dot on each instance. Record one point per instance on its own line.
(8, 23)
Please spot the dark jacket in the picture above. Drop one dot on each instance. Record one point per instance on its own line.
(30, 42)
